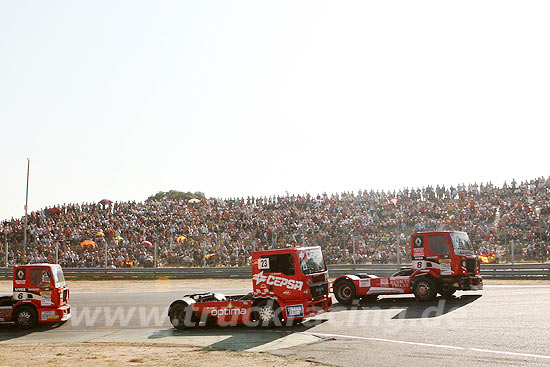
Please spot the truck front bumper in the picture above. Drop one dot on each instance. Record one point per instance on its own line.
(60, 314)
(302, 310)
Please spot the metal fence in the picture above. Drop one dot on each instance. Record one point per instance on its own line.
(530, 271)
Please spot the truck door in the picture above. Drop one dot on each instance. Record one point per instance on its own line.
(41, 279)
(278, 275)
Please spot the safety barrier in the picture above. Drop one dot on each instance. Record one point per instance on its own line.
(489, 271)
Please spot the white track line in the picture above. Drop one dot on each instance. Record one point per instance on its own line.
(430, 345)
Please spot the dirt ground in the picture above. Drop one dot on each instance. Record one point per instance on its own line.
(126, 354)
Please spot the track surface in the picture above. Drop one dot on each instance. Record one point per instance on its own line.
(502, 325)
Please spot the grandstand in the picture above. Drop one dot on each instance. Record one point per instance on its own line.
(361, 227)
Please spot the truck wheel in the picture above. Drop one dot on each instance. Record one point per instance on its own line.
(344, 291)
(268, 313)
(425, 289)
(447, 292)
(182, 316)
(25, 317)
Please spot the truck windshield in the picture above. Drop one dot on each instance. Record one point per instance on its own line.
(312, 261)
(461, 244)
(58, 277)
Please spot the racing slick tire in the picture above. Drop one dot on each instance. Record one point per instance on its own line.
(267, 313)
(344, 291)
(425, 289)
(447, 292)
(182, 316)
(25, 317)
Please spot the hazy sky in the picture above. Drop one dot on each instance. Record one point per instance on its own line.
(122, 99)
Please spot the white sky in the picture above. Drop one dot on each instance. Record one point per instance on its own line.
(122, 99)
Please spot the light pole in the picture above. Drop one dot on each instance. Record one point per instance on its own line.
(26, 204)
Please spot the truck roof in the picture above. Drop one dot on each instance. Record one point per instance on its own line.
(35, 265)
(432, 232)
(287, 249)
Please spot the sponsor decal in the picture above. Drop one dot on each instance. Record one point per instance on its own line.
(400, 282)
(445, 267)
(228, 311)
(46, 298)
(364, 283)
(5, 312)
(20, 282)
(19, 289)
(48, 315)
(277, 281)
(418, 252)
(384, 282)
(20, 274)
(295, 311)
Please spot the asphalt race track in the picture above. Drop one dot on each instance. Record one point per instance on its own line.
(501, 325)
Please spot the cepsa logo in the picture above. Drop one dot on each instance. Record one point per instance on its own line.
(228, 311)
(278, 281)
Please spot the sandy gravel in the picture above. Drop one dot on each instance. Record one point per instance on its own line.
(126, 354)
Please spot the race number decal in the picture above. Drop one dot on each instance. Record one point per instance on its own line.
(263, 263)
(419, 264)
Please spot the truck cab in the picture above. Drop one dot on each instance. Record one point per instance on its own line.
(296, 277)
(449, 257)
(288, 285)
(40, 295)
(442, 262)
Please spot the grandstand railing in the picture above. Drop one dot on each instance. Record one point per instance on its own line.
(531, 271)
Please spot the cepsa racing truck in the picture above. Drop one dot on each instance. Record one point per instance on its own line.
(40, 295)
(442, 262)
(288, 285)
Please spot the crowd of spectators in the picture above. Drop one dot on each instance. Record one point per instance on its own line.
(362, 227)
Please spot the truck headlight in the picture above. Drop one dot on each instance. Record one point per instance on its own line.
(464, 264)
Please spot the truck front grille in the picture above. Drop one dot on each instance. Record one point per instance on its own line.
(471, 265)
(65, 295)
(318, 290)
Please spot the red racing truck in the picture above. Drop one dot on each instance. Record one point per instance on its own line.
(442, 262)
(40, 295)
(289, 285)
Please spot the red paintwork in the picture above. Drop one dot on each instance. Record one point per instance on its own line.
(45, 296)
(293, 293)
(447, 269)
